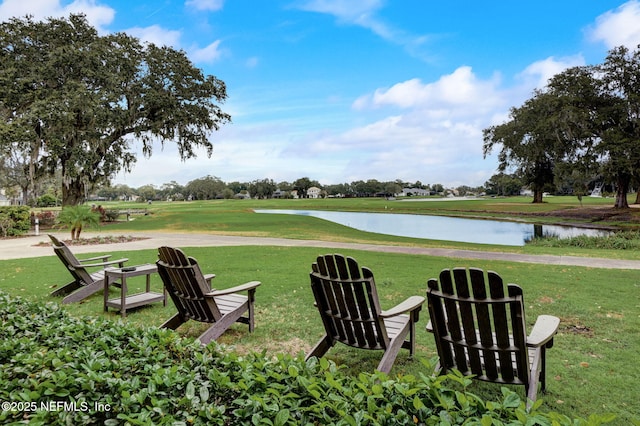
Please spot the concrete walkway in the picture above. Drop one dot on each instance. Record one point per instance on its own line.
(26, 247)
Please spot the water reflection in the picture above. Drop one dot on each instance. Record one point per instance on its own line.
(444, 228)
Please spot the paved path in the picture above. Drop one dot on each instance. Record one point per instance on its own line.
(26, 247)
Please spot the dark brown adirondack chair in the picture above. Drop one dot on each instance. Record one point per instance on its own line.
(84, 283)
(194, 298)
(347, 300)
(480, 330)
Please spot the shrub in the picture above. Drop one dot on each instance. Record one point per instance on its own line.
(47, 200)
(14, 220)
(58, 369)
(46, 218)
(77, 217)
(620, 240)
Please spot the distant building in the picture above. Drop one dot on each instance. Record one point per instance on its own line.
(314, 192)
(4, 201)
(415, 192)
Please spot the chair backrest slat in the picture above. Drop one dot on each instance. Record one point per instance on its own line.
(479, 329)
(78, 271)
(186, 285)
(347, 299)
(467, 319)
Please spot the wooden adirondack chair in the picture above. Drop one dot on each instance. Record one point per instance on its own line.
(194, 298)
(84, 283)
(479, 330)
(347, 300)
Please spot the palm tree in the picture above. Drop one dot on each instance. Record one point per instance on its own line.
(76, 217)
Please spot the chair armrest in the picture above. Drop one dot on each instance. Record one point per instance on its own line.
(544, 329)
(242, 287)
(120, 263)
(411, 304)
(91, 259)
(208, 278)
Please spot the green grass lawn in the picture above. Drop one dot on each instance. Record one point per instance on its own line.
(591, 369)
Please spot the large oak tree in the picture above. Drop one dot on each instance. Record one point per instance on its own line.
(585, 123)
(601, 110)
(530, 144)
(75, 101)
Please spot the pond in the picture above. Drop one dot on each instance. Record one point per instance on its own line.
(445, 228)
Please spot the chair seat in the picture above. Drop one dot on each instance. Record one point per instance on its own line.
(229, 303)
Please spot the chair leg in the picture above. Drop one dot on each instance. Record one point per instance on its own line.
(390, 355)
(84, 292)
(543, 370)
(535, 377)
(321, 347)
(412, 338)
(66, 289)
(218, 328)
(251, 296)
(212, 333)
(174, 322)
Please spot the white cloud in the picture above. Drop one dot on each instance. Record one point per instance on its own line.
(538, 73)
(456, 92)
(619, 27)
(211, 5)
(362, 13)
(208, 54)
(157, 35)
(359, 13)
(432, 132)
(98, 15)
(345, 10)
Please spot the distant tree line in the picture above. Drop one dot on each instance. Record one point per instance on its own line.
(211, 187)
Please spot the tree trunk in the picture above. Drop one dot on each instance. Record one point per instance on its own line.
(25, 196)
(621, 192)
(75, 232)
(73, 193)
(537, 196)
(637, 197)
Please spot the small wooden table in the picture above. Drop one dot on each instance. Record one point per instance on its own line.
(125, 301)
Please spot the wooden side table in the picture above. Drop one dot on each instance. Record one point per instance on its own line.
(126, 301)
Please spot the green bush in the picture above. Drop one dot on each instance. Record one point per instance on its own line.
(47, 200)
(620, 240)
(59, 369)
(14, 220)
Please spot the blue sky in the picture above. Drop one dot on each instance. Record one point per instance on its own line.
(345, 90)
